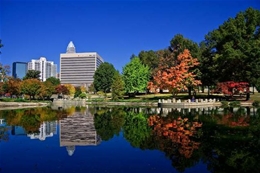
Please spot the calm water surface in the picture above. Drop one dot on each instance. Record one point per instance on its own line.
(123, 139)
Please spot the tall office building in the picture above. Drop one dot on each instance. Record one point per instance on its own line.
(19, 69)
(47, 68)
(78, 68)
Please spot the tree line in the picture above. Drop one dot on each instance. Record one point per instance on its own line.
(229, 53)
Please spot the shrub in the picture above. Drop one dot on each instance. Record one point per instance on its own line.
(234, 104)
(256, 103)
(224, 103)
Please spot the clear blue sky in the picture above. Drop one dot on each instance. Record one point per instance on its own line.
(115, 29)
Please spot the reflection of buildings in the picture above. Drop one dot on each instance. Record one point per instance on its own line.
(47, 129)
(78, 130)
(18, 130)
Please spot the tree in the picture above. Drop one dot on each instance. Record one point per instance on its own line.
(234, 47)
(179, 43)
(71, 89)
(47, 89)
(4, 72)
(31, 87)
(135, 76)
(178, 77)
(12, 86)
(117, 87)
(53, 80)
(103, 77)
(32, 74)
(91, 88)
(149, 58)
(61, 90)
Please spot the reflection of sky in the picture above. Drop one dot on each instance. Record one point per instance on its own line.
(116, 155)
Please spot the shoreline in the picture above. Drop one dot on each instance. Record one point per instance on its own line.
(17, 105)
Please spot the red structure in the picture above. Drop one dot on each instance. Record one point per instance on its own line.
(231, 89)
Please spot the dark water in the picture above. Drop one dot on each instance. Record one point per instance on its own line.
(121, 139)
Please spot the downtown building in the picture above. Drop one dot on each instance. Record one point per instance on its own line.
(78, 68)
(19, 70)
(47, 68)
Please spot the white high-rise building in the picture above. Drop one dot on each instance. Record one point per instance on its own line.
(78, 68)
(47, 68)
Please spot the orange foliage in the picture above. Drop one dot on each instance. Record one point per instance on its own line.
(230, 121)
(178, 131)
(176, 76)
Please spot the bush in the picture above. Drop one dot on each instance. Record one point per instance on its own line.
(256, 103)
(224, 103)
(234, 104)
(83, 95)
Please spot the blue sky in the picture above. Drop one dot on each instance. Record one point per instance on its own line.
(115, 29)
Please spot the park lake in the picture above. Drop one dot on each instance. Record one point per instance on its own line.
(111, 139)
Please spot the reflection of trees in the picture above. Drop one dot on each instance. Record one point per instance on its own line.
(136, 129)
(178, 138)
(233, 119)
(108, 122)
(180, 131)
(4, 136)
(29, 119)
(228, 145)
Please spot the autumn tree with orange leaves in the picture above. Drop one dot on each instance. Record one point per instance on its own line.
(175, 74)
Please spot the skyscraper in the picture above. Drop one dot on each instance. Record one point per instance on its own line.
(19, 69)
(78, 68)
(47, 68)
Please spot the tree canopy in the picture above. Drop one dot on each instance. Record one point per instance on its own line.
(31, 87)
(103, 77)
(234, 48)
(117, 87)
(149, 58)
(32, 74)
(175, 77)
(135, 76)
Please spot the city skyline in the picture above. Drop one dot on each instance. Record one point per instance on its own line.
(113, 29)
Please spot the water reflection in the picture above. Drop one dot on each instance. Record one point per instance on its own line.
(223, 139)
(78, 130)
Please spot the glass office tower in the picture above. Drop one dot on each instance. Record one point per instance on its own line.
(19, 69)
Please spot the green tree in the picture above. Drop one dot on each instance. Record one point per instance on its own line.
(207, 66)
(53, 80)
(32, 74)
(149, 58)
(31, 87)
(135, 76)
(103, 77)
(179, 43)
(77, 91)
(234, 47)
(117, 87)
